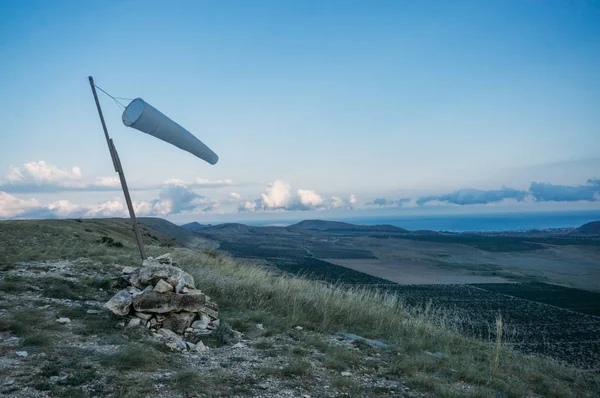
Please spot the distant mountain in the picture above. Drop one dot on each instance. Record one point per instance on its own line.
(195, 226)
(337, 226)
(181, 235)
(591, 228)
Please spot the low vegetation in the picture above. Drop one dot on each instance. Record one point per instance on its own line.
(299, 320)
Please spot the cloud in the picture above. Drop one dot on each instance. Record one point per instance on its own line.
(171, 200)
(42, 177)
(475, 196)
(309, 198)
(42, 173)
(277, 195)
(107, 182)
(248, 206)
(235, 196)
(383, 202)
(545, 192)
(11, 206)
(200, 183)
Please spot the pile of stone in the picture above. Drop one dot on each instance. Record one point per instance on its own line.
(163, 298)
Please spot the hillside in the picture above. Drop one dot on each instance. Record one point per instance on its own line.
(183, 236)
(591, 228)
(194, 226)
(264, 347)
(337, 226)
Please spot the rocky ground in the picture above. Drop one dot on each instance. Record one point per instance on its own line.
(58, 339)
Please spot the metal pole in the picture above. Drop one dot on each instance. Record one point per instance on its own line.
(119, 169)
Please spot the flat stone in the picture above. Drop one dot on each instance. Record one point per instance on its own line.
(210, 308)
(129, 270)
(190, 346)
(178, 321)
(153, 272)
(372, 343)
(260, 326)
(238, 345)
(63, 320)
(200, 347)
(92, 312)
(173, 340)
(22, 354)
(120, 303)
(346, 374)
(135, 321)
(160, 303)
(299, 328)
(143, 316)
(166, 258)
(202, 323)
(163, 287)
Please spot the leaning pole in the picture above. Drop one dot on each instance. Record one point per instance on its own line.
(119, 169)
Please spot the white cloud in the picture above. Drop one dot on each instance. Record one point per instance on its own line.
(235, 196)
(42, 173)
(11, 206)
(336, 202)
(352, 199)
(107, 182)
(111, 208)
(64, 208)
(247, 206)
(309, 198)
(176, 181)
(277, 195)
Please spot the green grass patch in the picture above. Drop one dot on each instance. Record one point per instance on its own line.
(134, 357)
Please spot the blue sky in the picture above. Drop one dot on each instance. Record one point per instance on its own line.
(313, 107)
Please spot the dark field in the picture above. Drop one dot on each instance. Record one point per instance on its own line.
(539, 318)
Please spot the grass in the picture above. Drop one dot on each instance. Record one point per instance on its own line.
(341, 358)
(330, 308)
(255, 295)
(134, 356)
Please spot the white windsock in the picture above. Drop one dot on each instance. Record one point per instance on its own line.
(144, 117)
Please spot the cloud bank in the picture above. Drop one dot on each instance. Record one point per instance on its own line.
(475, 196)
(383, 202)
(279, 196)
(42, 177)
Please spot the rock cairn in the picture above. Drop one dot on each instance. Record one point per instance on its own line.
(163, 298)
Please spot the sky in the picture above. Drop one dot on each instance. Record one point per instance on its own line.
(316, 109)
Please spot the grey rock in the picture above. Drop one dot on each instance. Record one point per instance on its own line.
(372, 343)
(135, 321)
(143, 316)
(166, 258)
(163, 287)
(202, 323)
(178, 321)
(151, 301)
(22, 354)
(63, 320)
(346, 374)
(92, 312)
(299, 328)
(120, 303)
(129, 270)
(200, 347)
(153, 272)
(172, 339)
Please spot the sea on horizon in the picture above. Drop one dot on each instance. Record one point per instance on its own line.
(497, 222)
